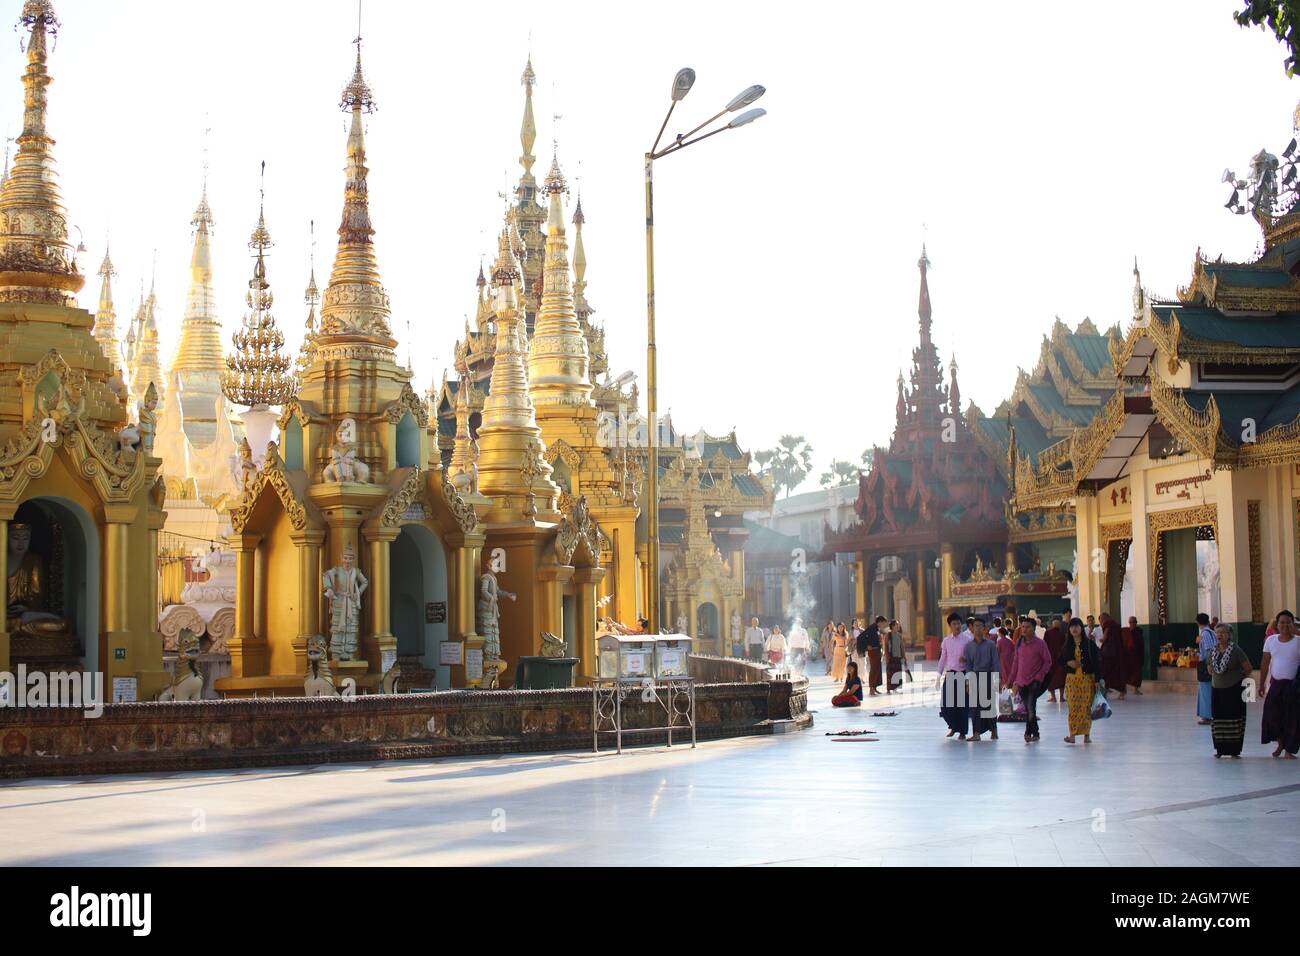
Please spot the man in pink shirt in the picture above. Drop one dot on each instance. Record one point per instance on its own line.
(953, 706)
(1032, 665)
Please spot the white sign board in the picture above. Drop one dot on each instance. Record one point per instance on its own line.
(474, 663)
(124, 690)
(449, 652)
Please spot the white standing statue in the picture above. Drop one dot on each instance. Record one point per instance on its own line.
(345, 463)
(737, 631)
(682, 624)
(344, 586)
(489, 625)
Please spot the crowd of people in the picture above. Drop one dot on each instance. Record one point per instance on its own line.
(876, 650)
(1001, 667)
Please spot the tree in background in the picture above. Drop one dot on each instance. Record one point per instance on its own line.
(789, 463)
(868, 457)
(1279, 16)
(839, 473)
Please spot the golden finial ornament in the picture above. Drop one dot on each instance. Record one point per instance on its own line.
(355, 302)
(257, 371)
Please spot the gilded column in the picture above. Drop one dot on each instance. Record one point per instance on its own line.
(945, 570)
(381, 641)
(465, 551)
(921, 626)
(308, 543)
(243, 652)
(117, 565)
(584, 631)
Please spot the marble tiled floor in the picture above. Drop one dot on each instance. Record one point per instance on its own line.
(1148, 792)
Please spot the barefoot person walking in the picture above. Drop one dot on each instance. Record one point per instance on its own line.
(1229, 667)
(1082, 663)
(1277, 669)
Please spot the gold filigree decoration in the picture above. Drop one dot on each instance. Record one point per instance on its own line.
(460, 508)
(1116, 531)
(400, 501)
(563, 451)
(272, 475)
(408, 401)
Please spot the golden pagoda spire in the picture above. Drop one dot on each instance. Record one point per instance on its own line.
(257, 371)
(198, 359)
(37, 262)
(528, 129)
(580, 306)
(527, 215)
(462, 456)
(509, 437)
(105, 330)
(355, 303)
(557, 359)
(146, 365)
(310, 298)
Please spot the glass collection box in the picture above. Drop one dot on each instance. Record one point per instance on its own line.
(673, 655)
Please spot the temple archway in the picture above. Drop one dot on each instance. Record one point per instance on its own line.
(706, 626)
(418, 588)
(66, 555)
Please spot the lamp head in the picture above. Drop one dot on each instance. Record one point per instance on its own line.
(746, 97)
(682, 83)
(747, 117)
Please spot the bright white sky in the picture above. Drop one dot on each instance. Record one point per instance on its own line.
(1035, 155)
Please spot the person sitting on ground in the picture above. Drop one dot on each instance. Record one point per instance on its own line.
(851, 694)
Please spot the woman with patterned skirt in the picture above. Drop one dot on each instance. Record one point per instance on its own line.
(1082, 663)
(1229, 666)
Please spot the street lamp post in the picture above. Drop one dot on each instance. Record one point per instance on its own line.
(682, 84)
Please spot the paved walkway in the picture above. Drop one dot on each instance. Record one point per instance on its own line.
(1147, 792)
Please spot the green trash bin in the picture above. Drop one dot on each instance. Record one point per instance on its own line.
(544, 673)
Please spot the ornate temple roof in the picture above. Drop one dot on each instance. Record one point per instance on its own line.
(936, 481)
(1229, 342)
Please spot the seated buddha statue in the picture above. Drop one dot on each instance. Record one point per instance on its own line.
(28, 592)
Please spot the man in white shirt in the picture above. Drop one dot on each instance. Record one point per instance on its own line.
(754, 640)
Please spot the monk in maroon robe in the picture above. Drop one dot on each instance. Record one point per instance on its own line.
(1112, 654)
(1135, 652)
(1054, 637)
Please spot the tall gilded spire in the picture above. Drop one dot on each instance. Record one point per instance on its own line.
(105, 330)
(528, 214)
(355, 303)
(257, 371)
(580, 305)
(509, 438)
(198, 360)
(145, 362)
(310, 298)
(37, 262)
(557, 359)
(528, 129)
(461, 467)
